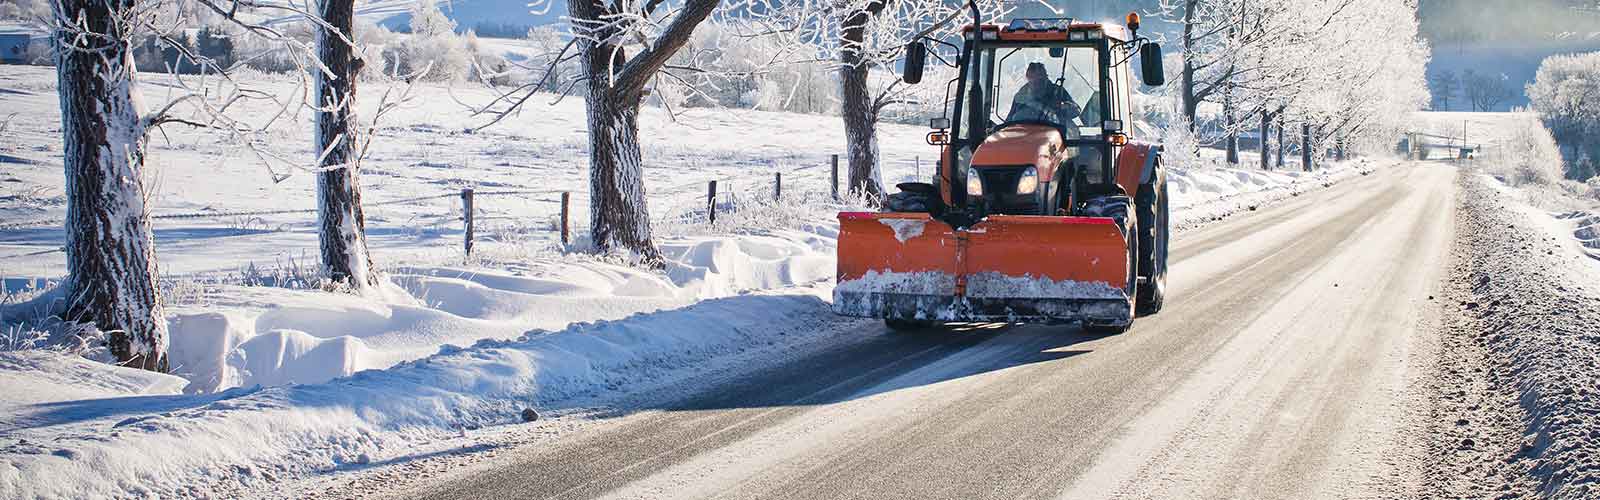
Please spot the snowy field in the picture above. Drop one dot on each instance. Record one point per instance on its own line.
(1568, 209)
(272, 379)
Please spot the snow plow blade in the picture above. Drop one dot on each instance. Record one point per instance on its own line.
(1007, 268)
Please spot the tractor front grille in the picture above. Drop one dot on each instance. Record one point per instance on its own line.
(1000, 192)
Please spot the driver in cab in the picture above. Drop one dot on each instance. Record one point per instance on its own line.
(1042, 100)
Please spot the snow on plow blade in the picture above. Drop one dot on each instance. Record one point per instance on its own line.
(1008, 268)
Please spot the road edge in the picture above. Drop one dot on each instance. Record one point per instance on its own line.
(1515, 387)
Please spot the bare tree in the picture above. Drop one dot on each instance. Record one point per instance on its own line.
(341, 229)
(873, 34)
(1485, 92)
(619, 218)
(111, 262)
(614, 86)
(112, 269)
(1444, 86)
(859, 112)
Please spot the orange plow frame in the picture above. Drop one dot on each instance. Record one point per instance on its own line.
(1007, 268)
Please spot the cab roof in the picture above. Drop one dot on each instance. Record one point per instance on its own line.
(1036, 29)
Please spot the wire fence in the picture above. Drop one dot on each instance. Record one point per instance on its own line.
(676, 203)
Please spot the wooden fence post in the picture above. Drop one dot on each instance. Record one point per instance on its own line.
(711, 201)
(835, 186)
(566, 198)
(466, 214)
(777, 186)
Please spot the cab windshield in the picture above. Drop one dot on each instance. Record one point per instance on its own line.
(1029, 84)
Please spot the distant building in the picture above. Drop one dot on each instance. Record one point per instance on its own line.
(15, 43)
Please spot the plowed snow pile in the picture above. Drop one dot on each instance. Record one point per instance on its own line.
(1520, 409)
(175, 445)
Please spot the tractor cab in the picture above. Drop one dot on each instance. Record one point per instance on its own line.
(1037, 116)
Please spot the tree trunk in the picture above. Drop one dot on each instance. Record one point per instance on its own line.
(1228, 110)
(111, 262)
(619, 218)
(1232, 140)
(1305, 147)
(1191, 102)
(342, 226)
(618, 215)
(1281, 141)
(860, 134)
(1266, 128)
(857, 109)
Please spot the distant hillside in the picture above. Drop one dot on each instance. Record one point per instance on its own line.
(1508, 38)
(1527, 22)
(490, 18)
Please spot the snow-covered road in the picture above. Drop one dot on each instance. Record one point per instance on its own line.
(1284, 366)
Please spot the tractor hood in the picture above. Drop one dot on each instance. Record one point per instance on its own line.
(1021, 146)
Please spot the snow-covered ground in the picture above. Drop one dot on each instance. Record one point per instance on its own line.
(272, 378)
(1516, 386)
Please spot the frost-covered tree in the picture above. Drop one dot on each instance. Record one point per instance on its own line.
(614, 86)
(550, 47)
(1444, 86)
(736, 61)
(341, 225)
(27, 11)
(861, 36)
(111, 261)
(619, 219)
(1566, 94)
(1484, 92)
(428, 21)
(1340, 70)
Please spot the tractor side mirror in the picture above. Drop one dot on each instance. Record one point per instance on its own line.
(939, 123)
(916, 58)
(1151, 69)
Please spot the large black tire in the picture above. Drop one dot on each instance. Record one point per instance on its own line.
(1154, 240)
(1120, 209)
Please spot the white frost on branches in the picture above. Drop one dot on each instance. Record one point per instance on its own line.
(1349, 68)
(1566, 94)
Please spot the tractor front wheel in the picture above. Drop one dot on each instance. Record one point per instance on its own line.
(1153, 241)
(1119, 208)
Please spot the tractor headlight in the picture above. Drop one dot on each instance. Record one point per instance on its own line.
(1029, 181)
(974, 184)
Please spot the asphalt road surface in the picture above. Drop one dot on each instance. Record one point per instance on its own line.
(1280, 368)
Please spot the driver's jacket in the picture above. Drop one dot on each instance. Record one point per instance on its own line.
(1043, 101)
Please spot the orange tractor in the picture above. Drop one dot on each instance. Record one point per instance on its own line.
(1042, 209)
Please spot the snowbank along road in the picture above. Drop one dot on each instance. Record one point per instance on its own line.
(1280, 368)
